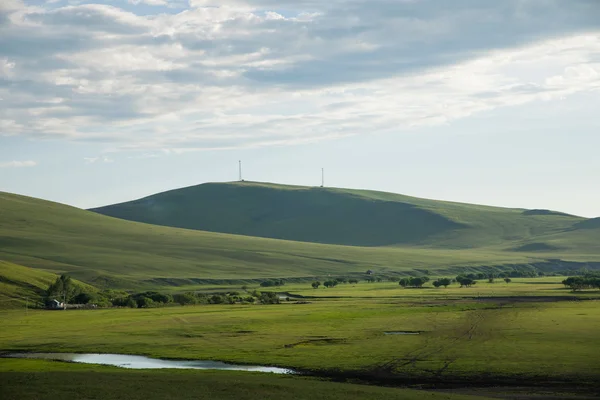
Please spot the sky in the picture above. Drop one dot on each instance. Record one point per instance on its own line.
(488, 102)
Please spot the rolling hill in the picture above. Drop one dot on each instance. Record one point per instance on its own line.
(114, 253)
(339, 216)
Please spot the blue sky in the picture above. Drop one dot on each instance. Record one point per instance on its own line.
(473, 101)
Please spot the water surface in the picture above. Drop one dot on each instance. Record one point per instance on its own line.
(141, 362)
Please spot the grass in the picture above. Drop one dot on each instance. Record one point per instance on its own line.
(463, 337)
(342, 216)
(35, 380)
(108, 252)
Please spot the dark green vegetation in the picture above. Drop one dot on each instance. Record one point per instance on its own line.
(111, 253)
(588, 281)
(349, 217)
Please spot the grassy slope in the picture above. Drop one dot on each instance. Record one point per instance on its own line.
(338, 216)
(117, 253)
(20, 285)
(110, 252)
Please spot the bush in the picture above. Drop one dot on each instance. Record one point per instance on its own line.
(145, 302)
(217, 299)
(185, 298)
(273, 282)
(269, 298)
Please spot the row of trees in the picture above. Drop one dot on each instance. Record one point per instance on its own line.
(333, 282)
(590, 281)
(417, 282)
(65, 290)
(155, 299)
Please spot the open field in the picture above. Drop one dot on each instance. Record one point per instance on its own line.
(499, 338)
(113, 253)
(40, 380)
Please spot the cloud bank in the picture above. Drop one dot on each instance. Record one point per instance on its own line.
(17, 164)
(150, 75)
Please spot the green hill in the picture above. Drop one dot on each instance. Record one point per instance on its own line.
(109, 252)
(338, 216)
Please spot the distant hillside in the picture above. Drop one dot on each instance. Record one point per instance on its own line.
(114, 253)
(593, 223)
(338, 216)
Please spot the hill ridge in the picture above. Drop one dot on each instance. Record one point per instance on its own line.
(337, 215)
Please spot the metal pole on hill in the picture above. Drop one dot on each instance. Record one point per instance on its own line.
(240, 164)
(322, 177)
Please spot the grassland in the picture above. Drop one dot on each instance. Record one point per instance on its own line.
(39, 380)
(492, 334)
(108, 252)
(348, 217)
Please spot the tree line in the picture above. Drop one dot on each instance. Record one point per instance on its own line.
(589, 281)
(66, 291)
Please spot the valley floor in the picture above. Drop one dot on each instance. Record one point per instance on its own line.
(531, 334)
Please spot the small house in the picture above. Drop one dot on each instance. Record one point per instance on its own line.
(370, 272)
(56, 305)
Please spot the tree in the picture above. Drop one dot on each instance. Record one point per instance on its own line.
(185, 298)
(507, 280)
(131, 303)
(85, 298)
(269, 298)
(418, 281)
(329, 284)
(316, 284)
(403, 282)
(437, 284)
(465, 281)
(445, 282)
(63, 288)
(352, 280)
(145, 302)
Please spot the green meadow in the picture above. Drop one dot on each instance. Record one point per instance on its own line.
(42, 380)
(531, 331)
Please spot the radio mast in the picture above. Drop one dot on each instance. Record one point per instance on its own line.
(322, 177)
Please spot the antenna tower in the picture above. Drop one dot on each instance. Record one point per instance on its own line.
(322, 177)
(240, 165)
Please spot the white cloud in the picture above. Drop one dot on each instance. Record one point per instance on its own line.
(17, 164)
(149, 2)
(265, 72)
(102, 159)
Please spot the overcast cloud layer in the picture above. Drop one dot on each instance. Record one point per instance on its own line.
(157, 75)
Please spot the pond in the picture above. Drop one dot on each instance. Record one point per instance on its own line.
(141, 362)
